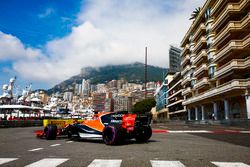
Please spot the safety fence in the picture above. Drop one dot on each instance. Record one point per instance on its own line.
(20, 123)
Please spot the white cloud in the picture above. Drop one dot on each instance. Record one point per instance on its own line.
(46, 13)
(11, 48)
(112, 32)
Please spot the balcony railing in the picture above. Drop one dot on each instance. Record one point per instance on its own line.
(175, 94)
(186, 58)
(186, 69)
(234, 25)
(177, 102)
(233, 64)
(186, 91)
(203, 67)
(236, 84)
(186, 80)
(201, 28)
(201, 83)
(231, 7)
(186, 48)
(234, 44)
(203, 53)
(199, 44)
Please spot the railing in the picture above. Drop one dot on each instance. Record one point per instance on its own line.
(187, 68)
(200, 55)
(226, 87)
(231, 7)
(187, 79)
(176, 93)
(20, 123)
(186, 91)
(198, 31)
(237, 44)
(233, 25)
(199, 44)
(186, 58)
(185, 49)
(203, 67)
(200, 83)
(233, 64)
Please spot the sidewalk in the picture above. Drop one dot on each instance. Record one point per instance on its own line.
(181, 126)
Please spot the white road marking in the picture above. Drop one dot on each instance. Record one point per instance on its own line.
(160, 163)
(244, 131)
(54, 145)
(230, 164)
(48, 162)
(69, 142)
(105, 163)
(36, 149)
(189, 131)
(6, 160)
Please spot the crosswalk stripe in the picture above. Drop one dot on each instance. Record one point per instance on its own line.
(230, 164)
(105, 163)
(6, 160)
(48, 162)
(36, 149)
(54, 145)
(160, 163)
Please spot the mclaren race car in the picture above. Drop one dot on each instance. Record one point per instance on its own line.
(112, 128)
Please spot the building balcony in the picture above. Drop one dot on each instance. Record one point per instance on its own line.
(185, 49)
(199, 44)
(199, 31)
(231, 7)
(176, 102)
(186, 80)
(186, 58)
(232, 26)
(201, 83)
(233, 45)
(177, 112)
(186, 91)
(234, 85)
(185, 70)
(174, 86)
(175, 94)
(200, 69)
(202, 54)
(232, 65)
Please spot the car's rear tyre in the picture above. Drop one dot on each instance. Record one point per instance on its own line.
(50, 132)
(112, 135)
(144, 134)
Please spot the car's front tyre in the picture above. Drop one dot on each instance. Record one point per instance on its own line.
(50, 132)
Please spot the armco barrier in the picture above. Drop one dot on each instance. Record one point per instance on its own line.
(20, 123)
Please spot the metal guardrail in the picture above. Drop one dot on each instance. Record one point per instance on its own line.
(20, 123)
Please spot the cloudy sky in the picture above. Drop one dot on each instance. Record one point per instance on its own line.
(47, 41)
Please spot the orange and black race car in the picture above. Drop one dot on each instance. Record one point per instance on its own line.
(113, 128)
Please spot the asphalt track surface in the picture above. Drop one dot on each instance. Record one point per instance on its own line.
(164, 149)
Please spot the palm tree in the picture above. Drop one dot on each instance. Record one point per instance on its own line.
(195, 13)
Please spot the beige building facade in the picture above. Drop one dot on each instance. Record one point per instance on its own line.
(216, 62)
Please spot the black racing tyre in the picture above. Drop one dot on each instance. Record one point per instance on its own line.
(112, 135)
(144, 134)
(50, 132)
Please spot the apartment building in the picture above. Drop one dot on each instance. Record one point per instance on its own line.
(175, 98)
(216, 62)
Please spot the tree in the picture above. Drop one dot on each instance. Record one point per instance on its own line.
(195, 13)
(144, 106)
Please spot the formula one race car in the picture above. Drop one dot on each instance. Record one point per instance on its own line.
(113, 128)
